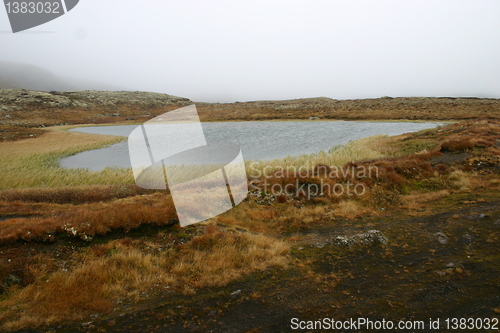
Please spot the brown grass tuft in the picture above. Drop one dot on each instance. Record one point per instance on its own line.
(128, 270)
(90, 220)
(351, 209)
(72, 195)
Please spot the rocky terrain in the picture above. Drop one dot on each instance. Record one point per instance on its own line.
(26, 108)
(31, 109)
(19, 99)
(385, 108)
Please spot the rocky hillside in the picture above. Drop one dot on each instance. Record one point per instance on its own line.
(26, 108)
(409, 108)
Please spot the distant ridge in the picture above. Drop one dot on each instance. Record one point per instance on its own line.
(24, 76)
(26, 108)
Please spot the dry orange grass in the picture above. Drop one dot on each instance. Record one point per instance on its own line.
(418, 201)
(20, 208)
(86, 221)
(55, 141)
(272, 220)
(461, 180)
(466, 142)
(352, 209)
(125, 270)
(73, 194)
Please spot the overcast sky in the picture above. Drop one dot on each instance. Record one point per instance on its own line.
(225, 51)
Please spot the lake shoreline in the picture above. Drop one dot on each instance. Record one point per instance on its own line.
(254, 138)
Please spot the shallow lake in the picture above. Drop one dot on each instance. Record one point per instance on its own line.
(259, 140)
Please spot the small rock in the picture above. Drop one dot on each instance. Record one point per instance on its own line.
(313, 118)
(370, 237)
(236, 294)
(477, 217)
(377, 235)
(497, 222)
(343, 241)
(320, 245)
(442, 238)
(468, 238)
(266, 200)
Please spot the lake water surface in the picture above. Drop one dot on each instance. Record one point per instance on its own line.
(259, 140)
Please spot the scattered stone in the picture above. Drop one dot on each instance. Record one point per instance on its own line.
(442, 238)
(236, 294)
(343, 241)
(372, 236)
(468, 238)
(313, 118)
(266, 200)
(320, 245)
(367, 238)
(497, 222)
(477, 217)
(86, 238)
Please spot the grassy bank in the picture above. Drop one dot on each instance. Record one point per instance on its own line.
(34, 162)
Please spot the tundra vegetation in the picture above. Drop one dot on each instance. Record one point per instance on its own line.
(76, 245)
